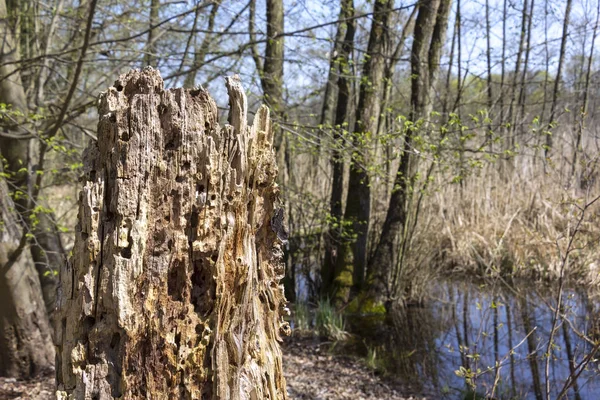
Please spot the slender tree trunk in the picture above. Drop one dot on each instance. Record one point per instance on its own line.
(561, 60)
(488, 53)
(336, 60)
(429, 35)
(503, 61)
(150, 57)
(337, 158)
(200, 51)
(446, 95)
(173, 288)
(390, 68)
(272, 70)
(524, 80)
(352, 255)
(540, 140)
(513, 98)
(584, 102)
(459, 82)
(435, 52)
(546, 60)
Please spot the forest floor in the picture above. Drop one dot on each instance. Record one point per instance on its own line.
(310, 370)
(41, 388)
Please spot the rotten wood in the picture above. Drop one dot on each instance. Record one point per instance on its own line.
(173, 290)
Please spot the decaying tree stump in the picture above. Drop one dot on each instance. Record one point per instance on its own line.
(173, 289)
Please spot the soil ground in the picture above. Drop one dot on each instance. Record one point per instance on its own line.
(312, 372)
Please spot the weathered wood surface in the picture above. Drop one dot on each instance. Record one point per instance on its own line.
(173, 290)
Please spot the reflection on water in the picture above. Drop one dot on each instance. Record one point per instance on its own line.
(502, 333)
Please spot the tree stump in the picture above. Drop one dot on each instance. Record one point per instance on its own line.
(173, 290)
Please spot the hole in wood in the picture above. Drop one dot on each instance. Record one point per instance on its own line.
(176, 281)
(114, 341)
(203, 290)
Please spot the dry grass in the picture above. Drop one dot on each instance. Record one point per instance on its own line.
(514, 228)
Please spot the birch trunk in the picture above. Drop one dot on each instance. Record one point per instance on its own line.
(173, 288)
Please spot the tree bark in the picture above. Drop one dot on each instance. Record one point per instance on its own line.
(430, 31)
(173, 288)
(438, 37)
(272, 70)
(25, 341)
(524, 80)
(561, 60)
(200, 51)
(335, 66)
(352, 254)
(459, 75)
(584, 101)
(47, 251)
(512, 119)
(445, 96)
(342, 65)
(488, 54)
(503, 60)
(150, 58)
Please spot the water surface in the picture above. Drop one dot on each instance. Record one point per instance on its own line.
(501, 332)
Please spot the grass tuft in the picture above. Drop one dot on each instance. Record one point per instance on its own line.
(330, 322)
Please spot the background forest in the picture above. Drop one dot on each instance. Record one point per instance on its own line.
(418, 142)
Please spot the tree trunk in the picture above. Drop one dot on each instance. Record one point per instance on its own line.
(352, 255)
(150, 57)
(446, 94)
(337, 158)
(503, 61)
(561, 60)
(336, 61)
(584, 102)
(430, 31)
(173, 288)
(47, 251)
(200, 51)
(512, 119)
(459, 76)
(524, 79)
(25, 341)
(438, 37)
(272, 71)
(488, 54)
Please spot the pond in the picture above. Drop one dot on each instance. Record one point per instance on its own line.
(502, 332)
